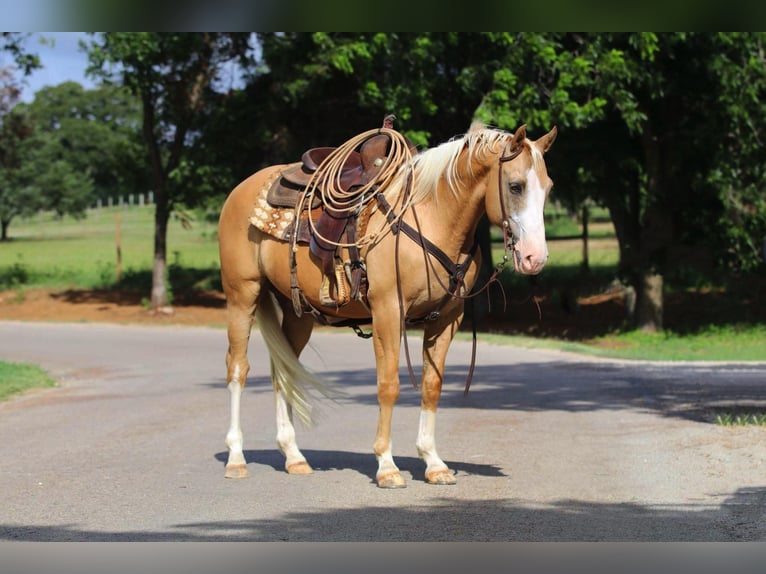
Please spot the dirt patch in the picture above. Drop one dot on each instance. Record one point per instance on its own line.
(109, 306)
(539, 315)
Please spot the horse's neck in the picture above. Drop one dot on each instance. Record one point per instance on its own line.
(450, 219)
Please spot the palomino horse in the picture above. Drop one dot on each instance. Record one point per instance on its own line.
(450, 188)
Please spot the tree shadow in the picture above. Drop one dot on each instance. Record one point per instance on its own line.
(692, 392)
(739, 517)
(134, 296)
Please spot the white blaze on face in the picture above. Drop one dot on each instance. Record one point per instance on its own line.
(531, 251)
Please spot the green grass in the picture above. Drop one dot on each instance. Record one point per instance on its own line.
(733, 418)
(16, 378)
(45, 252)
(727, 343)
(714, 343)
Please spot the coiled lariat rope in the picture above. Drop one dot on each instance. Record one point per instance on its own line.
(326, 181)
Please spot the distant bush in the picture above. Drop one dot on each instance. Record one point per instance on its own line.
(13, 276)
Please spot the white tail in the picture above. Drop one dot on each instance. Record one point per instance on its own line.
(287, 373)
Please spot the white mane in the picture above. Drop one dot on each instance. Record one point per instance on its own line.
(442, 160)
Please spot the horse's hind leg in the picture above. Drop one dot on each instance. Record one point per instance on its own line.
(436, 341)
(240, 306)
(298, 331)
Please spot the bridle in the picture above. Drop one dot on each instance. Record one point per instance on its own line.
(509, 242)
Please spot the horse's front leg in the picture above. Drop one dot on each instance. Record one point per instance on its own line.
(437, 337)
(386, 341)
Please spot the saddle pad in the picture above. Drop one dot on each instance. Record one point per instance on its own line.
(275, 221)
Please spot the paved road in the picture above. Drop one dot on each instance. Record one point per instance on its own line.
(547, 447)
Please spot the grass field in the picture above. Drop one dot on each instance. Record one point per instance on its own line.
(47, 252)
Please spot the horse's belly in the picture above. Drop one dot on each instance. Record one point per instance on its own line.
(275, 265)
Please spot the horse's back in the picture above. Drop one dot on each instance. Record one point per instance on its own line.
(236, 248)
(239, 205)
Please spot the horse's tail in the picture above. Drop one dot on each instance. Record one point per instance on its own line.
(287, 373)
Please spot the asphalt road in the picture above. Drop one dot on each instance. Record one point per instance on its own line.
(547, 446)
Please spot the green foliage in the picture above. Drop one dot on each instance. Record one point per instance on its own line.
(65, 147)
(94, 131)
(739, 169)
(13, 276)
(16, 197)
(15, 44)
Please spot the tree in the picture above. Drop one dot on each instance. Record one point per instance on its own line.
(95, 131)
(15, 198)
(739, 157)
(56, 184)
(29, 179)
(14, 128)
(667, 152)
(173, 75)
(14, 44)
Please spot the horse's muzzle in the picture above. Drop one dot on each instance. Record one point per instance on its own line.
(529, 262)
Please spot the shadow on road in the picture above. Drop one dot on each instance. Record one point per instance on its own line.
(689, 392)
(363, 463)
(740, 517)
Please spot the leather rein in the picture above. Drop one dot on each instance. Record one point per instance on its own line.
(455, 271)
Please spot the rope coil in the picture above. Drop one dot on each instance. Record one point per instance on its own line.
(326, 181)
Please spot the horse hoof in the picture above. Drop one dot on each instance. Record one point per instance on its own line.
(236, 471)
(391, 480)
(300, 467)
(441, 476)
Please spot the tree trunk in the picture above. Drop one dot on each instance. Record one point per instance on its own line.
(160, 265)
(649, 302)
(4, 230)
(655, 235)
(159, 297)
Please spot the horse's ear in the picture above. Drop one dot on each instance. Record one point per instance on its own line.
(545, 142)
(518, 137)
(477, 126)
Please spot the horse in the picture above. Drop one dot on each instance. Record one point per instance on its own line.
(448, 189)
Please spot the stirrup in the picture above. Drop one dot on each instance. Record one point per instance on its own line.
(325, 298)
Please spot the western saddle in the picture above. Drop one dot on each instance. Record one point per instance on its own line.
(329, 225)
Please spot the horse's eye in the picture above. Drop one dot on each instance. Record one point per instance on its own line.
(515, 188)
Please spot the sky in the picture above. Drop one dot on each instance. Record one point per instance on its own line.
(62, 61)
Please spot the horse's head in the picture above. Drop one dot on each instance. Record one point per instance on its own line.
(517, 204)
